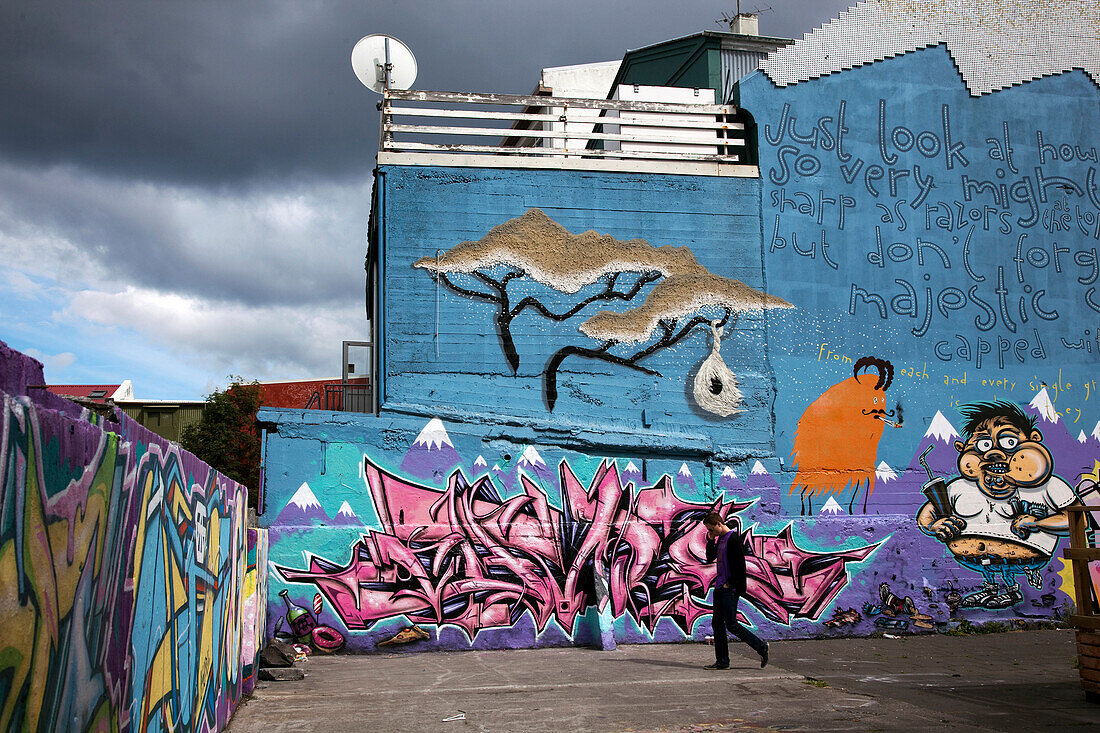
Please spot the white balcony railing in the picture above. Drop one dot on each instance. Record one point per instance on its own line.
(457, 128)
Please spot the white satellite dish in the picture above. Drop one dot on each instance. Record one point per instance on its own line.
(383, 62)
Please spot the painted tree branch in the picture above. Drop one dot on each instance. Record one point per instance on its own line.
(475, 294)
(668, 338)
(500, 299)
(550, 378)
(608, 293)
(506, 314)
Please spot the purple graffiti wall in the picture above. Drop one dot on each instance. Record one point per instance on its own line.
(425, 544)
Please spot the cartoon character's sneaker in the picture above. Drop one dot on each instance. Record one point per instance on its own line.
(981, 597)
(1009, 598)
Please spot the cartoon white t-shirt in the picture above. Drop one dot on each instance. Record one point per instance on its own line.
(989, 517)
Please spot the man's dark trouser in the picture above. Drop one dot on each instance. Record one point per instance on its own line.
(725, 617)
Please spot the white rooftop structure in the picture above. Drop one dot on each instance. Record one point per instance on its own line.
(994, 43)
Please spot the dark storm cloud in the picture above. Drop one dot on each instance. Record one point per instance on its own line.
(294, 244)
(198, 92)
(205, 93)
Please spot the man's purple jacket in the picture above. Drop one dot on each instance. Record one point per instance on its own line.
(729, 550)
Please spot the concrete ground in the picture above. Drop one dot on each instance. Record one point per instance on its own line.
(1017, 681)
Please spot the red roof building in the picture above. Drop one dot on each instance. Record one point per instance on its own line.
(95, 392)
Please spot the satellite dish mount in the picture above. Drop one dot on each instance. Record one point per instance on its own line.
(385, 69)
(382, 63)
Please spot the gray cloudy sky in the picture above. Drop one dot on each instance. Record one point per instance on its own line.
(184, 186)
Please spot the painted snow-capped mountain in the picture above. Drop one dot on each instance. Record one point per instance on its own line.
(1044, 406)
(760, 480)
(480, 464)
(433, 435)
(302, 509)
(631, 473)
(889, 491)
(432, 455)
(684, 480)
(532, 464)
(1081, 437)
(728, 481)
(345, 515)
(832, 507)
(1096, 431)
(941, 429)
(504, 480)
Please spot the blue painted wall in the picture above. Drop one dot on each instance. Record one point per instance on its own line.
(904, 219)
(441, 351)
(988, 291)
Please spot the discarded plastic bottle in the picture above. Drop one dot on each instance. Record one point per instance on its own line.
(301, 621)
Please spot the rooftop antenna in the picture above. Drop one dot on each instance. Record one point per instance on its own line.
(382, 62)
(731, 20)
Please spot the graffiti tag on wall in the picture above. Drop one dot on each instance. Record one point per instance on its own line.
(466, 557)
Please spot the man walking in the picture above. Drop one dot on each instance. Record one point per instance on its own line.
(729, 586)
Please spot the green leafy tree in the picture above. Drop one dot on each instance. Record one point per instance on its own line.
(226, 436)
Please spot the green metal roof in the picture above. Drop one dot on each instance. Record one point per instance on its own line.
(691, 61)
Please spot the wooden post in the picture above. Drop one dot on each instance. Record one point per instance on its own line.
(1087, 617)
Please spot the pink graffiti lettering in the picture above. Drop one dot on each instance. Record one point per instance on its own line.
(466, 557)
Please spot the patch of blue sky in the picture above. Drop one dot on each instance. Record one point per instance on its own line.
(33, 320)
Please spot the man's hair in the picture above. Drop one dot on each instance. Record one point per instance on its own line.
(977, 413)
(713, 518)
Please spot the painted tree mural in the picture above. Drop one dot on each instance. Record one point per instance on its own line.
(682, 294)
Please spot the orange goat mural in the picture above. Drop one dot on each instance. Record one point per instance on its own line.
(837, 437)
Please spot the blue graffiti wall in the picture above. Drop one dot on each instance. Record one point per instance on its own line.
(877, 359)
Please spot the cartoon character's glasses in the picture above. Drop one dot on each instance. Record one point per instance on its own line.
(1007, 443)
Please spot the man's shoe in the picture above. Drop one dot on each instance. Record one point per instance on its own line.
(764, 655)
(716, 665)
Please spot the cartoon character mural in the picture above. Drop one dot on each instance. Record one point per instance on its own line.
(837, 437)
(468, 558)
(1002, 516)
(536, 247)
